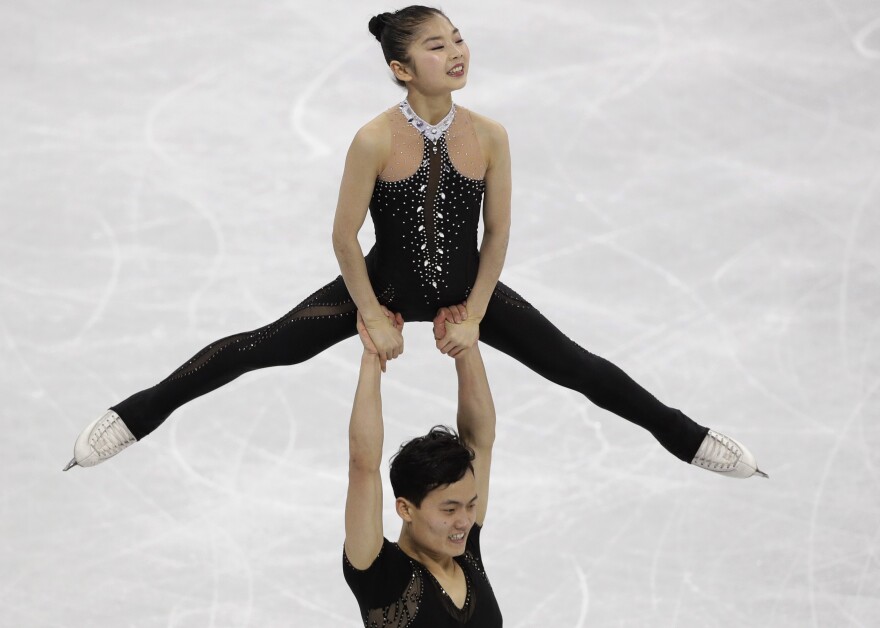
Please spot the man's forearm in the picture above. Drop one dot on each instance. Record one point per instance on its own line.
(476, 410)
(365, 430)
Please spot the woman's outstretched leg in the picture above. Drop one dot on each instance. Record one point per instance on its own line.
(514, 327)
(320, 321)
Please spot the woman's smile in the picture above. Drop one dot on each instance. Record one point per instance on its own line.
(457, 70)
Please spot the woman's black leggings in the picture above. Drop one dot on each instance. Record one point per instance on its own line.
(328, 316)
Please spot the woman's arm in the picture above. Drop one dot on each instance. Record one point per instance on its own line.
(476, 420)
(493, 249)
(496, 219)
(365, 160)
(363, 506)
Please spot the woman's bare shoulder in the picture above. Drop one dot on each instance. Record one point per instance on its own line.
(376, 132)
(373, 140)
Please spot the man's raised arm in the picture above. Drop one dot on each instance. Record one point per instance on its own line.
(363, 506)
(476, 419)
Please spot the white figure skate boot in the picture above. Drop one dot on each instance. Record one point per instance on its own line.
(729, 457)
(103, 439)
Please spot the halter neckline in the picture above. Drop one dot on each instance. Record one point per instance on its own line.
(431, 131)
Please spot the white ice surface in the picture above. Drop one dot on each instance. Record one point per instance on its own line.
(697, 198)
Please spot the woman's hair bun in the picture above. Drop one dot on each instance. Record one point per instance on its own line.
(378, 24)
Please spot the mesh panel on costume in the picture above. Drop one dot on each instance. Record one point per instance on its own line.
(319, 305)
(464, 148)
(408, 147)
(402, 612)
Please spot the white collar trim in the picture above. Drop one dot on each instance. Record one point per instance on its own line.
(432, 132)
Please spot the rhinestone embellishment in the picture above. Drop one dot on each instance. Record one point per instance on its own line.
(431, 131)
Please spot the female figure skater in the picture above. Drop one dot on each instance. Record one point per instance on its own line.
(433, 575)
(423, 168)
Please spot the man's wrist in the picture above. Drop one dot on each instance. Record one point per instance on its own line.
(369, 358)
(469, 355)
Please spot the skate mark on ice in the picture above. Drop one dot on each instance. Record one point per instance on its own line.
(860, 40)
(109, 286)
(584, 588)
(852, 234)
(301, 105)
(820, 489)
(156, 147)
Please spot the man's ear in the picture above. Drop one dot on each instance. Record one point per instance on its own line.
(404, 509)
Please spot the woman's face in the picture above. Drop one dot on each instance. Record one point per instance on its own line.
(439, 57)
(440, 526)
